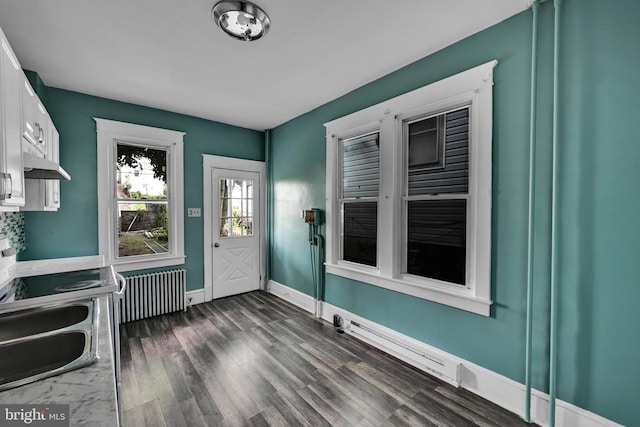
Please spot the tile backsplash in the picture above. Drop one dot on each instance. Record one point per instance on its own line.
(12, 228)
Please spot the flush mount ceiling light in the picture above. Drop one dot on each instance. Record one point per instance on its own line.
(242, 20)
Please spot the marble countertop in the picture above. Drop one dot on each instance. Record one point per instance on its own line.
(89, 391)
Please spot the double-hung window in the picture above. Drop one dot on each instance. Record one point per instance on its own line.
(140, 195)
(409, 192)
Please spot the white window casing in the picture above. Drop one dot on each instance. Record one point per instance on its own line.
(472, 88)
(109, 133)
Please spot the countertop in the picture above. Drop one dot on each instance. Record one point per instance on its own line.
(89, 391)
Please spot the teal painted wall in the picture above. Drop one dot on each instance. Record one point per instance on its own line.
(599, 205)
(599, 160)
(73, 229)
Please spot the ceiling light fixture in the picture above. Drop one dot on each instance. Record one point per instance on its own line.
(242, 20)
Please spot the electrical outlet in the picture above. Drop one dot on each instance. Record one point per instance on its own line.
(193, 212)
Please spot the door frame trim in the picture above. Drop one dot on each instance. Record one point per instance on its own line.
(210, 162)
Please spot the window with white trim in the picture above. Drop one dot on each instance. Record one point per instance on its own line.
(409, 192)
(140, 195)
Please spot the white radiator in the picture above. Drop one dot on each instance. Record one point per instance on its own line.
(153, 294)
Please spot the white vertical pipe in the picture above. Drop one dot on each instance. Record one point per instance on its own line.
(532, 163)
(269, 210)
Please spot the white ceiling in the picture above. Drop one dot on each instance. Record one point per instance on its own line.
(169, 54)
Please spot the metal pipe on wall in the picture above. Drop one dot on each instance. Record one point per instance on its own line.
(532, 163)
(318, 271)
(269, 213)
(553, 316)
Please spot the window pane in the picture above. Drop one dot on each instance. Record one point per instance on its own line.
(236, 207)
(439, 165)
(436, 239)
(359, 234)
(361, 166)
(143, 224)
(141, 172)
(143, 228)
(424, 147)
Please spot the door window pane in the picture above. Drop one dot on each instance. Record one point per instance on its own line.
(236, 207)
(141, 200)
(360, 231)
(436, 236)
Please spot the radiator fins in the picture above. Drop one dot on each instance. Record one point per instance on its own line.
(153, 294)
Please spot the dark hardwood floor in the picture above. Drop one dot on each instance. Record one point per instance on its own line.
(256, 360)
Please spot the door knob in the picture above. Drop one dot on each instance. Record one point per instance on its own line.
(216, 245)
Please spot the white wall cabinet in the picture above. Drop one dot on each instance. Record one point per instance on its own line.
(25, 126)
(34, 118)
(44, 194)
(28, 112)
(52, 196)
(42, 117)
(12, 189)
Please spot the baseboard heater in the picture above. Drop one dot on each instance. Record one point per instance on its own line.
(153, 294)
(427, 360)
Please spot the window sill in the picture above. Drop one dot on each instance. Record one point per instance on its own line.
(138, 264)
(461, 299)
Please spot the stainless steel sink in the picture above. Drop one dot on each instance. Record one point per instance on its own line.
(33, 357)
(38, 320)
(41, 342)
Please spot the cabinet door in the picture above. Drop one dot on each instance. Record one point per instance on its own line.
(11, 151)
(52, 186)
(44, 194)
(41, 126)
(28, 112)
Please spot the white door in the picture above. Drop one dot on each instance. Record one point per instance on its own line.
(235, 231)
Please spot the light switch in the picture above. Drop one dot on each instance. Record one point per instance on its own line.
(193, 212)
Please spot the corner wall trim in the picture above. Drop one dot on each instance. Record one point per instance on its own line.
(483, 382)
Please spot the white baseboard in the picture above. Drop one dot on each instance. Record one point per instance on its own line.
(194, 297)
(488, 384)
(510, 395)
(291, 295)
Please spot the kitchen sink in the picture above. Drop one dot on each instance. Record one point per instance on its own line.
(45, 354)
(38, 320)
(40, 342)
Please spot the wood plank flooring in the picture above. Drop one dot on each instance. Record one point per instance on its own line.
(255, 360)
